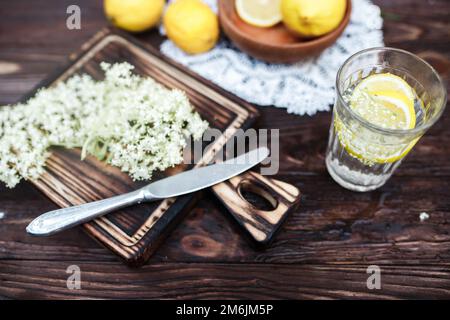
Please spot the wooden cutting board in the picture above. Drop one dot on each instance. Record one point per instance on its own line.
(134, 233)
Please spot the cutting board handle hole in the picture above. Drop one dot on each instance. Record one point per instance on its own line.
(257, 195)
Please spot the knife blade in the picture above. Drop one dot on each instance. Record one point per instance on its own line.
(197, 179)
(183, 183)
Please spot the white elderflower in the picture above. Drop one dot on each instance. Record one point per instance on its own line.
(129, 121)
(423, 216)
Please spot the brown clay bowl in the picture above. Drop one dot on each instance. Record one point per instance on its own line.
(274, 44)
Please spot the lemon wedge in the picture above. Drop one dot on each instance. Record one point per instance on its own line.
(384, 100)
(259, 13)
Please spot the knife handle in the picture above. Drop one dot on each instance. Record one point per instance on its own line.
(260, 224)
(62, 219)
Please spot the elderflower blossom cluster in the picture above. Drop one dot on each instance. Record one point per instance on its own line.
(128, 121)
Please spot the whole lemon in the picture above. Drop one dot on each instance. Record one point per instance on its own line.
(312, 18)
(134, 15)
(191, 25)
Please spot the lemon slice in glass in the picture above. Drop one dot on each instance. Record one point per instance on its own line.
(386, 101)
(260, 13)
(386, 82)
(385, 109)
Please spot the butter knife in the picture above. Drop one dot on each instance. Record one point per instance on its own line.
(173, 186)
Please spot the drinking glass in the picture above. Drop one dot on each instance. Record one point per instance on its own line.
(362, 156)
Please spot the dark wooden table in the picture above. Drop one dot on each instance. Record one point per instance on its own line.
(325, 246)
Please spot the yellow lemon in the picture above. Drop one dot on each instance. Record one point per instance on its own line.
(191, 25)
(134, 15)
(309, 18)
(260, 13)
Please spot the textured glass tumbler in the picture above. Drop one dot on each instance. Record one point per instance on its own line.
(362, 156)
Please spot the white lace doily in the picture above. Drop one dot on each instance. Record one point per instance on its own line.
(303, 88)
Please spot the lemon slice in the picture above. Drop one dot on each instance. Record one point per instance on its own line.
(386, 101)
(386, 109)
(260, 13)
(385, 82)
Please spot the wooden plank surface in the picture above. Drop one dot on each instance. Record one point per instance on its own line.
(324, 248)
